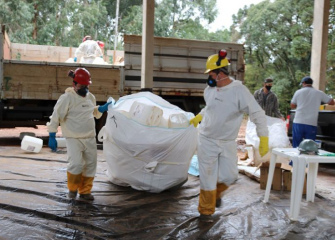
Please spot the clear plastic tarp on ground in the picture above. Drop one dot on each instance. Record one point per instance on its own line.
(34, 205)
(148, 143)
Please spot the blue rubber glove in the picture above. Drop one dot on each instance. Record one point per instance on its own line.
(52, 142)
(75, 59)
(104, 107)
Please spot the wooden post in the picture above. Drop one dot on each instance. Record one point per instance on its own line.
(320, 43)
(147, 45)
(2, 36)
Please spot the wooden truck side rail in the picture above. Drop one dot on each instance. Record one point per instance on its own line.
(29, 89)
(47, 81)
(179, 64)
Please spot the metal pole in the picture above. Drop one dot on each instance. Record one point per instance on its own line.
(116, 29)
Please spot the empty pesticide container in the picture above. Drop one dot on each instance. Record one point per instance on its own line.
(31, 144)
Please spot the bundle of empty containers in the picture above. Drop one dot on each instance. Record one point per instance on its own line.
(148, 143)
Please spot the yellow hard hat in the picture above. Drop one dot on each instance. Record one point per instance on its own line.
(217, 61)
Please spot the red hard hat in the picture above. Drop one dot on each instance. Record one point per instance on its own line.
(86, 38)
(81, 76)
(101, 44)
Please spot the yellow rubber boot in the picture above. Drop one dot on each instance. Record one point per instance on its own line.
(207, 202)
(86, 185)
(73, 181)
(220, 188)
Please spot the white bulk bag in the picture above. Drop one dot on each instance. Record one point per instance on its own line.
(148, 158)
(277, 137)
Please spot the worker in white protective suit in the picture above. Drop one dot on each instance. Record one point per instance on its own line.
(226, 102)
(74, 112)
(89, 49)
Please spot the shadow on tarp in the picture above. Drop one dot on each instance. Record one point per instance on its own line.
(34, 205)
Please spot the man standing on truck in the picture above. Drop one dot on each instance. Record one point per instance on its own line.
(75, 111)
(307, 101)
(226, 102)
(90, 49)
(268, 100)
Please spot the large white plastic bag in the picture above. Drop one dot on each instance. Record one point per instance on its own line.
(145, 157)
(277, 137)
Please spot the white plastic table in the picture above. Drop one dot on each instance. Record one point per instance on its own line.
(298, 175)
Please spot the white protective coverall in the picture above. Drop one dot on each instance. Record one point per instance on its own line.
(217, 153)
(90, 49)
(75, 114)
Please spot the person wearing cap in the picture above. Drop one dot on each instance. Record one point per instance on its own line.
(74, 112)
(307, 101)
(268, 100)
(89, 49)
(227, 100)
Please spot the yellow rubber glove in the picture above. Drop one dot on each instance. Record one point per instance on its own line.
(263, 145)
(195, 121)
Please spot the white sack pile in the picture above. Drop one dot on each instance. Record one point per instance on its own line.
(277, 138)
(97, 60)
(148, 143)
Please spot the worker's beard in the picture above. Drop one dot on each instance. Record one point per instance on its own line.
(82, 91)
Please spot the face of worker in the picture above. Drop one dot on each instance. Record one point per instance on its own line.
(80, 89)
(218, 78)
(212, 74)
(268, 86)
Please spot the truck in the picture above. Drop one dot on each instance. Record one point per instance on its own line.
(32, 77)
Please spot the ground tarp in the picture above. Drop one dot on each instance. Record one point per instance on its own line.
(34, 205)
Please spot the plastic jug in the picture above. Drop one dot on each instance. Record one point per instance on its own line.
(146, 114)
(61, 142)
(31, 144)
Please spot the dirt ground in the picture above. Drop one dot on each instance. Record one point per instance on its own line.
(39, 131)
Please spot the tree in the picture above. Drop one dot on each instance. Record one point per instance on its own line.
(17, 15)
(178, 19)
(330, 80)
(65, 23)
(278, 37)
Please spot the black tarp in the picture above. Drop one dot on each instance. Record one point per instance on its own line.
(34, 205)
